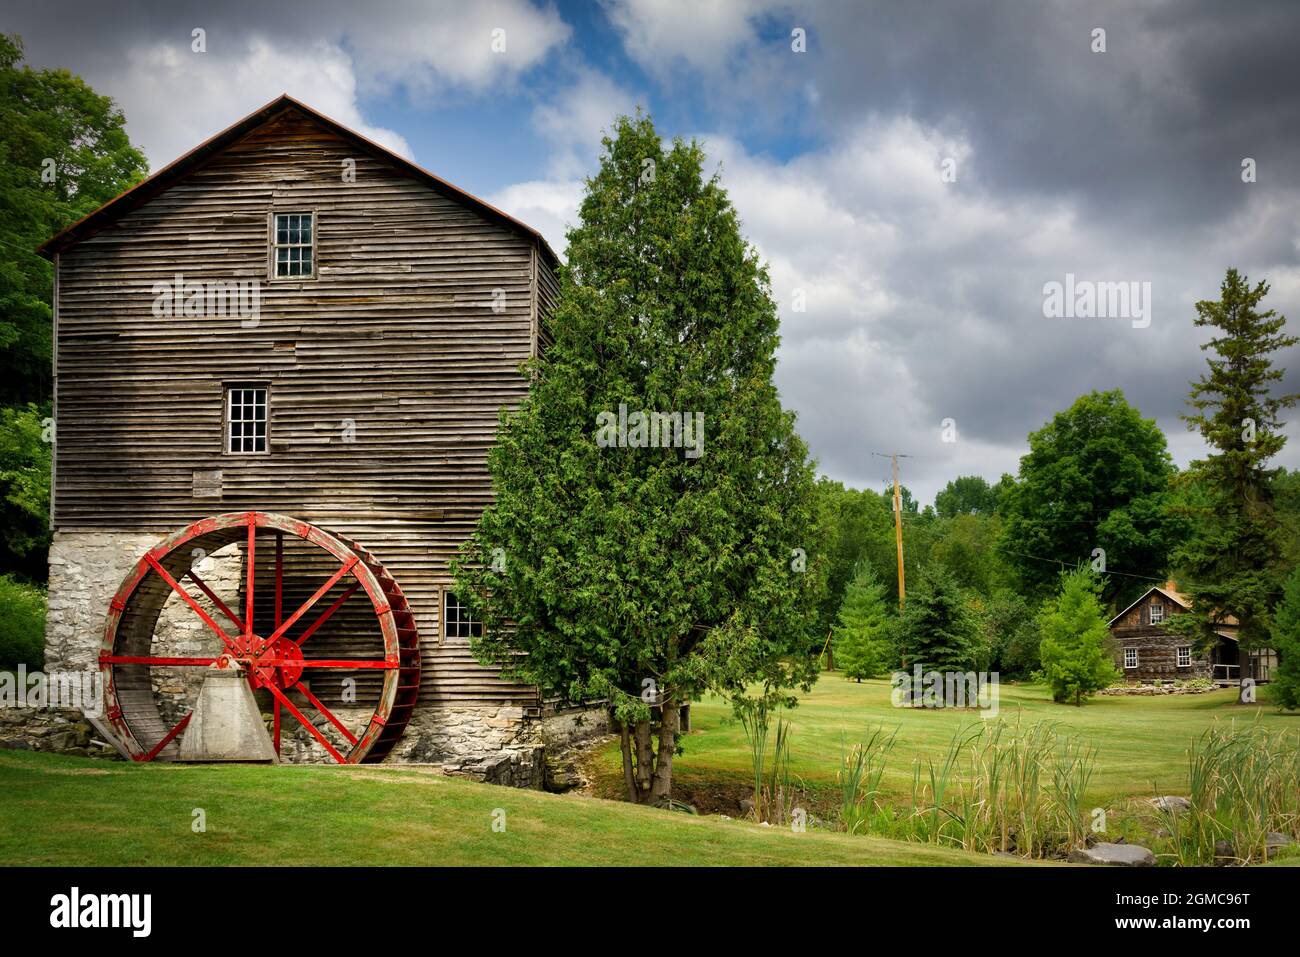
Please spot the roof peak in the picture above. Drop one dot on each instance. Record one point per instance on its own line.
(142, 192)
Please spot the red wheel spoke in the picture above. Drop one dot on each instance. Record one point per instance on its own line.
(307, 605)
(293, 710)
(212, 597)
(248, 588)
(157, 748)
(328, 612)
(316, 703)
(207, 619)
(383, 663)
(152, 660)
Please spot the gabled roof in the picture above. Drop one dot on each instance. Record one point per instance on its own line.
(1177, 598)
(147, 189)
(1167, 591)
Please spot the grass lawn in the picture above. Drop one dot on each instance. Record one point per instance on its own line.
(78, 811)
(1141, 741)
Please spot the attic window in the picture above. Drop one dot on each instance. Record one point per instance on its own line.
(293, 248)
(1157, 613)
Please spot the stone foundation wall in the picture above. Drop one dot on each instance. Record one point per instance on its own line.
(60, 730)
(86, 569)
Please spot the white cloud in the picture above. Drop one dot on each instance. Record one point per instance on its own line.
(427, 45)
(574, 121)
(209, 91)
(661, 35)
(549, 206)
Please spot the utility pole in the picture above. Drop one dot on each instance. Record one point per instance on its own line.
(898, 523)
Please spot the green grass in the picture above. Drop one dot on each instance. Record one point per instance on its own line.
(75, 811)
(1141, 741)
(61, 810)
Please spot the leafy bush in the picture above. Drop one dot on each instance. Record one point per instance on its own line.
(22, 623)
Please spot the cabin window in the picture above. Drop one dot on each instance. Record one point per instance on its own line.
(1130, 657)
(1157, 613)
(457, 620)
(293, 247)
(246, 419)
(1184, 656)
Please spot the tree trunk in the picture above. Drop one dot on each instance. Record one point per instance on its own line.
(647, 771)
(645, 761)
(625, 744)
(662, 789)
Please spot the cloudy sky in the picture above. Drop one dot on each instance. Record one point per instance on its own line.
(915, 175)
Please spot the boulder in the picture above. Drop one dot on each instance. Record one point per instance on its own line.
(1274, 842)
(1171, 803)
(1116, 855)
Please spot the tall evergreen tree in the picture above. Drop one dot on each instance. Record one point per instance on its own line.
(1231, 564)
(641, 572)
(861, 634)
(938, 630)
(1075, 639)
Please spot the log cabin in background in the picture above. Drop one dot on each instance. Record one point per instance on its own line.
(1145, 651)
(292, 345)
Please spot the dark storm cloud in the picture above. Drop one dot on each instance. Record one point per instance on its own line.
(1155, 128)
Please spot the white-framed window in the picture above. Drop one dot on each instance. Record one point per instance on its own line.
(1157, 613)
(457, 620)
(293, 249)
(1130, 657)
(1184, 656)
(246, 419)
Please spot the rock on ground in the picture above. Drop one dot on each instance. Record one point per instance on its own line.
(1117, 855)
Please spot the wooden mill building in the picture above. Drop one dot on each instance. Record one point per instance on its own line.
(302, 342)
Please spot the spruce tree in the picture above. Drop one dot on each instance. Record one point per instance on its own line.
(861, 634)
(1074, 648)
(1231, 563)
(938, 630)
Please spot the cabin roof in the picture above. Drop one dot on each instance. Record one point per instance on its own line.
(147, 189)
(1177, 598)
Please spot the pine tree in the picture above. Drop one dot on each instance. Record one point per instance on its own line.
(937, 629)
(1075, 639)
(1230, 564)
(861, 636)
(1286, 641)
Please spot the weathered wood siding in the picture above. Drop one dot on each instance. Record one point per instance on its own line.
(1157, 650)
(397, 338)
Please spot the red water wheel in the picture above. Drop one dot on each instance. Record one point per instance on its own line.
(315, 613)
